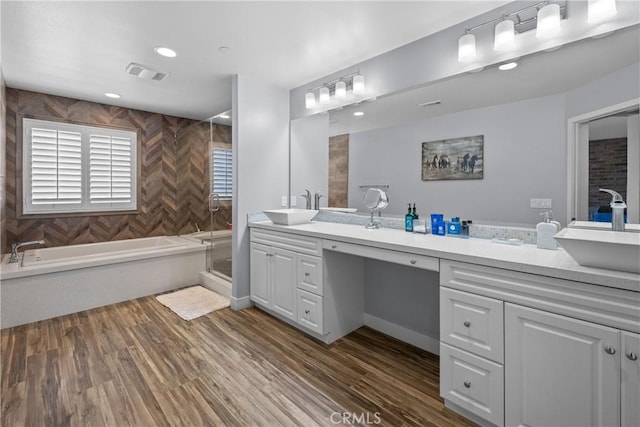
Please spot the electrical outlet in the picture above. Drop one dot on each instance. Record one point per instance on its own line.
(540, 203)
(293, 201)
(283, 202)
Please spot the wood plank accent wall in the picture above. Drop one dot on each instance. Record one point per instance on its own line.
(339, 171)
(160, 205)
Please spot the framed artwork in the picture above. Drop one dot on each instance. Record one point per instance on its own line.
(456, 158)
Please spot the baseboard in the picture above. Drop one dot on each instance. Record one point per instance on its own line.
(407, 335)
(241, 303)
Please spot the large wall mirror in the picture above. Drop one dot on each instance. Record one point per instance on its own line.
(522, 114)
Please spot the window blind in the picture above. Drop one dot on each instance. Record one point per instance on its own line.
(110, 170)
(222, 172)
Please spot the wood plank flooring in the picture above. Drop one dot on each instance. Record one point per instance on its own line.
(138, 364)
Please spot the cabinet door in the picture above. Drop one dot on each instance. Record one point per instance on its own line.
(560, 371)
(259, 276)
(284, 283)
(630, 379)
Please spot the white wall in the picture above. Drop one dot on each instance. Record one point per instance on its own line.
(310, 157)
(260, 165)
(524, 157)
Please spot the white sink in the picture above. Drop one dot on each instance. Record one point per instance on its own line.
(290, 216)
(613, 250)
(603, 226)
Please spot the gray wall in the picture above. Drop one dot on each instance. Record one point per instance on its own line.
(310, 157)
(524, 157)
(260, 158)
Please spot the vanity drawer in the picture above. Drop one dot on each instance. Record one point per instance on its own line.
(396, 257)
(290, 241)
(310, 311)
(473, 383)
(310, 274)
(473, 323)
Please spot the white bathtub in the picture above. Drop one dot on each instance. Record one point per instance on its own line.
(51, 282)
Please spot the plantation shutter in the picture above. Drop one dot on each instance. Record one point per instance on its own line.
(222, 172)
(56, 175)
(111, 169)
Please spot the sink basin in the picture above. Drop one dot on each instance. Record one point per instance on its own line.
(290, 216)
(603, 226)
(612, 250)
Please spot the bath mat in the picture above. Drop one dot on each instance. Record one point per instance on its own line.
(193, 302)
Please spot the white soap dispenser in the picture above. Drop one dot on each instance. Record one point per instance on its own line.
(545, 231)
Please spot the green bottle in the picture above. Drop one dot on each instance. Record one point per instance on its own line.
(414, 213)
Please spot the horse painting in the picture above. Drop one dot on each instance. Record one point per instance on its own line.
(467, 154)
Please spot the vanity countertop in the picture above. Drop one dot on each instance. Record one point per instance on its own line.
(525, 258)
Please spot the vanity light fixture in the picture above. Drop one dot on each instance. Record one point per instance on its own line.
(599, 10)
(347, 89)
(505, 35)
(165, 51)
(548, 21)
(467, 47)
(112, 95)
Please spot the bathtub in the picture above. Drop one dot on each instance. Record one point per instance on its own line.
(51, 282)
(216, 280)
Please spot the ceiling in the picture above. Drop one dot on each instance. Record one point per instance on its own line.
(540, 74)
(81, 49)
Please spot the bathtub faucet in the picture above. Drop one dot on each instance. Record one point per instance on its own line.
(16, 246)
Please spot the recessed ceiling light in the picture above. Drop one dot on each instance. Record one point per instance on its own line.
(508, 66)
(165, 51)
(112, 95)
(358, 113)
(224, 116)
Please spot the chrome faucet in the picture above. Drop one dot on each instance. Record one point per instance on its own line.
(617, 210)
(307, 197)
(16, 246)
(316, 204)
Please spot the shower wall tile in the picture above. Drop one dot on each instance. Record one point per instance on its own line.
(162, 210)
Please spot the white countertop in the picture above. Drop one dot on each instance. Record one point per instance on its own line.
(525, 258)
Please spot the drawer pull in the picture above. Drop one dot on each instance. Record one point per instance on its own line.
(632, 356)
(306, 312)
(334, 246)
(413, 261)
(307, 274)
(609, 350)
(467, 384)
(467, 324)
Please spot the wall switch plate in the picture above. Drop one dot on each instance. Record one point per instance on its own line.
(540, 203)
(293, 201)
(283, 202)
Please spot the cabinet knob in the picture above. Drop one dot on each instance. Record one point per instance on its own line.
(467, 324)
(467, 384)
(306, 312)
(632, 356)
(413, 261)
(306, 274)
(609, 350)
(334, 246)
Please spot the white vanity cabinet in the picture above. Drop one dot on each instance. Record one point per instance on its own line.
(630, 379)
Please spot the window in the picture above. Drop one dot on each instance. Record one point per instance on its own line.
(222, 173)
(71, 168)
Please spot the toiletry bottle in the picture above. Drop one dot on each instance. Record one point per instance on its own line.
(408, 220)
(545, 232)
(414, 213)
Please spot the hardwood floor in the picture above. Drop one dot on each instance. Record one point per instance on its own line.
(138, 364)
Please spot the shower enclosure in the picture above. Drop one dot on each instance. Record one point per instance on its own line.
(203, 193)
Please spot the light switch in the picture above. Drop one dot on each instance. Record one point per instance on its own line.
(540, 203)
(283, 202)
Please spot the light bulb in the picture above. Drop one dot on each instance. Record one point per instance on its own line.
(599, 10)
(467, 48)
(358, 84)
(323, 95)
(548, 21)
(341, 89)
(310, 100)
(504, 35)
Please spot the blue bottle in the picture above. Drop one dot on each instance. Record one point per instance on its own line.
(408, 220)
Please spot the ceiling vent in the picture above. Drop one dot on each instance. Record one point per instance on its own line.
(144, 72)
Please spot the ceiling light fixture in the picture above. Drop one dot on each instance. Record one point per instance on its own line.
(358, 113)
(112, 95)
(507, 66)
(505, 35)
(599, 10)
(548, 21)
(345, 90)
(224, 116)
(165, 51)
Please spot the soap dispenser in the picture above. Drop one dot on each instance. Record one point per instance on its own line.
(414, 213)
(408, 220)
(545, 232)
